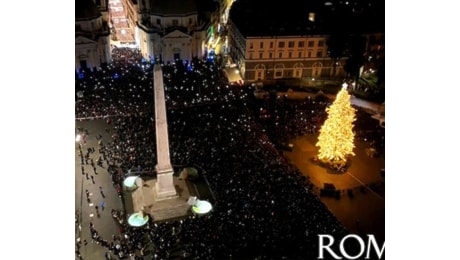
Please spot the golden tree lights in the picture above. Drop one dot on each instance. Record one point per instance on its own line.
(336, 136)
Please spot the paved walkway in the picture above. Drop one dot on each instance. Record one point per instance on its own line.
(349, 210)
(105, 224)
(123, 31)
(364, 211)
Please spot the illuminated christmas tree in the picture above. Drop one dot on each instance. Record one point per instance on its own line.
(336, 136)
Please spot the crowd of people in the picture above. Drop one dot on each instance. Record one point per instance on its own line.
(263, 207)
(125, 86)
(287, 119)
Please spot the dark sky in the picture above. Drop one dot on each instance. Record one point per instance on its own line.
(291, 16)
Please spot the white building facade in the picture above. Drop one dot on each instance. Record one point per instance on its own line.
(92, 36)
(170, 30)
(282, 56)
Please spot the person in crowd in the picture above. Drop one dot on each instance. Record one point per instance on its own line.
(263, 209)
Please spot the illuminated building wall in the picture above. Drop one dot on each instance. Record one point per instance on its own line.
(272, 57)
(92, 36)
(277, 44)
(170, 29)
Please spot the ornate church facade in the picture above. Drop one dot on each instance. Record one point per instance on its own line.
(170, 30)
(92, 35)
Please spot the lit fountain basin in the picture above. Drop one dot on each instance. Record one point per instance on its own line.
(201, 207)
(131, 182)
(138, 219)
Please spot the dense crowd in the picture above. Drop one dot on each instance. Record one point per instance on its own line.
(263, 208)
(126, 86)
(287, 119)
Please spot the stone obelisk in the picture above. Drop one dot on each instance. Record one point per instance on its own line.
(164, 186)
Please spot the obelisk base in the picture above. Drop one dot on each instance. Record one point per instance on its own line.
(164, 186)
(173, 207)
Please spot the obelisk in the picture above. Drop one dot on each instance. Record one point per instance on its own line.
(164, 186)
